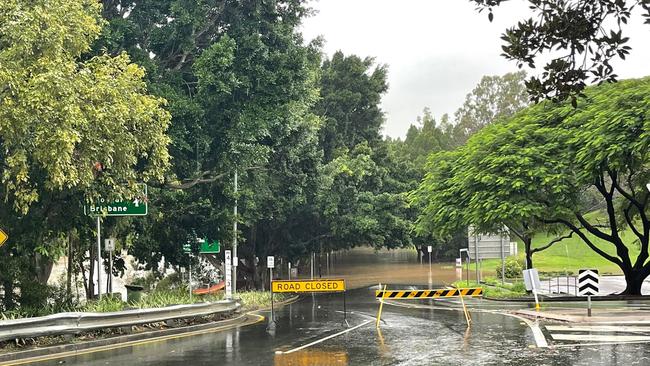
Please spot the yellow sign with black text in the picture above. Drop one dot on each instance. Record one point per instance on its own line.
(3, 237)
(308, 286)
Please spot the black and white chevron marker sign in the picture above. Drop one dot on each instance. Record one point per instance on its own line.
(588, 282)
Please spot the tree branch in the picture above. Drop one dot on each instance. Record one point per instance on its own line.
(627, 195)
(586, 240)
(630, 222)
(554, 241)
(203, 179)
(593, 229)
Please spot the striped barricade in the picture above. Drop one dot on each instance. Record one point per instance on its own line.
(428, 294)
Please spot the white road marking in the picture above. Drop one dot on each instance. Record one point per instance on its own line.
(599, 338)
(597, 328)
(326, 338)
(540, 340)
(573, 345)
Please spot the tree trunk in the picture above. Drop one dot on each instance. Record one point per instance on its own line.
(529, 254)
(83, 277)
(91, 272)
(634, 280)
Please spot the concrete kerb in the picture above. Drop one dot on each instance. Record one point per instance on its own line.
(623, 317)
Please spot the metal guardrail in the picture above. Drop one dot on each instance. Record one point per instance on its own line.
(74, 323)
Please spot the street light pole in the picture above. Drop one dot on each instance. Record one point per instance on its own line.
(234, 242)
(99, 257)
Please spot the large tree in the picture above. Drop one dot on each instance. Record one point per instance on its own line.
(539, 164)
(72, 127)
(493, 98)
(351, 90)
(240, 83)
(576, 39)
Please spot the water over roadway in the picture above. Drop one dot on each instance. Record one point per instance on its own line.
(409, 336)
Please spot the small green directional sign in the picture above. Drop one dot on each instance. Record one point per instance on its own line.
(210, 247)
(187, 248)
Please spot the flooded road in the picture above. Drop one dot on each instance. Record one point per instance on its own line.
(363, 267)
(312, 331)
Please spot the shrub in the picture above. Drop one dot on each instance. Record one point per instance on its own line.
(513, 268)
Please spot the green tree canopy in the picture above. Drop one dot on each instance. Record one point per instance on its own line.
(351, 91)
(72, 127)
(536, 167)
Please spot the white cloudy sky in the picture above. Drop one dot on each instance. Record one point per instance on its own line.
(436, 50)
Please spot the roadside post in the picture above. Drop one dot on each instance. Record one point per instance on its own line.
(461, 262)
(289, 267)
(588, 285)
(99, 257)
(503, 261)
(270, 264)
(228, 263)
(531, 280)
(381, 305)
(187, 249)
(139, 206)
(429, 249)
(109, 246)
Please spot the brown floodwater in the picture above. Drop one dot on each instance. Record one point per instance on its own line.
(362, 267)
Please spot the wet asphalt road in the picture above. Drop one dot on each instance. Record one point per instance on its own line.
(409, 336)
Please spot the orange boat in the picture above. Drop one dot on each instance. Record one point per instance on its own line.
(210, 290)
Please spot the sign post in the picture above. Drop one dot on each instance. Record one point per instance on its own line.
(461, 263)
(99, 257)
(588, 285)
(228, 260)
(531, 280)
(109, 246)
(429, 249)
(139, 206)
(270, 264)
(289, 267)
(187, 249)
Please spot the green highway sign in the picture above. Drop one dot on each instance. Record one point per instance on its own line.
(210, 248)
(187, 248)
(139, 206)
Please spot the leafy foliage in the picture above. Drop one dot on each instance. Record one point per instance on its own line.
(72, 128)
(532, 170)
(581, 37)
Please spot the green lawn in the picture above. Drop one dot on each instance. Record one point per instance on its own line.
(573, 254)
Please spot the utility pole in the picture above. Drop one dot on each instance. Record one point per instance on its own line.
(99, 257)
(234, 242)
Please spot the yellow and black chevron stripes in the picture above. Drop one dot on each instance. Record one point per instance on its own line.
(428, 294)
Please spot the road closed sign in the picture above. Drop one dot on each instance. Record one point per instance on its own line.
(308, 286)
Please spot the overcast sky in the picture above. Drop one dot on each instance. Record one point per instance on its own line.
(436, 50)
